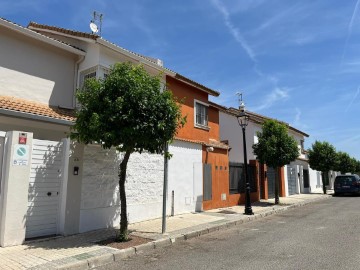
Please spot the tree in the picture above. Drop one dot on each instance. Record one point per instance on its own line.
(322, 157)
(357, 168)
(353, 165)
(344, 163)
(127, 111)
(275, 148)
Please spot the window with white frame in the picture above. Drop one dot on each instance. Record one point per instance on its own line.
(96, 72)
(201, 114)
(87, 74)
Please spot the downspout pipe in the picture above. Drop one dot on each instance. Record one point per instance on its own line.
(76, 77)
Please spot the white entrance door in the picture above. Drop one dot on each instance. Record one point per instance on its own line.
(44, 188)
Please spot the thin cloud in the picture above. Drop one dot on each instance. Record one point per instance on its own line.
(351, 23)
(279, 17)
(297, 120)
(353, 99)
(234, 31)
(276, 95)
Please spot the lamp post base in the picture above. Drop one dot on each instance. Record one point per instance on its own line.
(248, 209)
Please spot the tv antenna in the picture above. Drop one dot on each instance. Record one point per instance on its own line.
(96, 23)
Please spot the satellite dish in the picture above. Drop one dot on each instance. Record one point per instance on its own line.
(94, 28)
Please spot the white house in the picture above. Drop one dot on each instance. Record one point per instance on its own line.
(295, 178)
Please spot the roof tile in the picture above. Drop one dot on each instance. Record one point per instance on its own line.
(35, 108)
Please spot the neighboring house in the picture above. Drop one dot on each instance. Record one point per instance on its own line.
(37, 75)
(294, 178)
(73, 188)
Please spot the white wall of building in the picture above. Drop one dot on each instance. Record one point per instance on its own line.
(185, 177)
(231, 131)
(36, 71)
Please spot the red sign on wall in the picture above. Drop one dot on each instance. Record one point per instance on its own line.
(22, 138)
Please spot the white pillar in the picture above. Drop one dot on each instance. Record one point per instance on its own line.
(15, 189)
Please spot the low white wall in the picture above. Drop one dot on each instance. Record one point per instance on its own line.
(100, 204)
(185, 177)
(314, 185)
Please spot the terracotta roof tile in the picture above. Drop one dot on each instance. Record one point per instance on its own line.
(63, 30)
(35, 108)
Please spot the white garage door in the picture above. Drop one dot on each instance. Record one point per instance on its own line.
(44, 188)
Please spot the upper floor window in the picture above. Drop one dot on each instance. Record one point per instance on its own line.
(87, 74)
(201, 114)
(96, 72)
(302, 146)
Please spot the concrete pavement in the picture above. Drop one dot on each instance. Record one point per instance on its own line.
(81, 251)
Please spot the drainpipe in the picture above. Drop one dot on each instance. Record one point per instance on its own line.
(76, 76)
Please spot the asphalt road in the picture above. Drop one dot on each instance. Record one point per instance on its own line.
(322, 235)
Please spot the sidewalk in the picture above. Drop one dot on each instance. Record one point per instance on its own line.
(81, 251)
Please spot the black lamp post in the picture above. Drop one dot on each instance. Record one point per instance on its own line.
(243, 119)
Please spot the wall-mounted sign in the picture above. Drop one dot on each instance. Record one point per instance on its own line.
(22, 138)
(21, 155)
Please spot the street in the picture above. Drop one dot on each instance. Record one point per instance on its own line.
(322, 235)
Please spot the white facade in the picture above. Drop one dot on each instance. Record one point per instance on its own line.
(231, 131)
(35, 70)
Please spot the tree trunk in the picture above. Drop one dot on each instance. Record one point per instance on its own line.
(123, 233)
(323, 181)
(277, 180)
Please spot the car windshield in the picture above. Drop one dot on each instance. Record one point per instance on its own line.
(345, 179)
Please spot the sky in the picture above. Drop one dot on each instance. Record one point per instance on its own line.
(296, 61)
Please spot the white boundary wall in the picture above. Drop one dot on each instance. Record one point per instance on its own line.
(100, 203)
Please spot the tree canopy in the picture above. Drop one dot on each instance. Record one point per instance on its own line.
(344, 163)
(322, 157)
(275, 146)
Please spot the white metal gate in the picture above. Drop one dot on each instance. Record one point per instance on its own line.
(44, 188)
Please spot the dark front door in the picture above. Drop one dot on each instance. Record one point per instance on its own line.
(207, 182)
(306, 178)
(271, 182)
(291, 173)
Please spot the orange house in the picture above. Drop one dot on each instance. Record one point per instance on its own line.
(202, 127)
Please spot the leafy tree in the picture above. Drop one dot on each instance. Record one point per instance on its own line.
(322, 157)
(275, 148)
(353, 165)
(344, 163)
(127, 111)
(357, 168)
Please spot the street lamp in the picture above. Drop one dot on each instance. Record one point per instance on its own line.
(243, 119)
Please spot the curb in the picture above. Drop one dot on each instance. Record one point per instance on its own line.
(121, 254)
